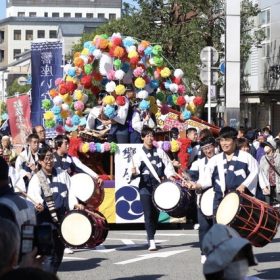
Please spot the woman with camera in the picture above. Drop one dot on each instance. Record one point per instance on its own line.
(50, 189)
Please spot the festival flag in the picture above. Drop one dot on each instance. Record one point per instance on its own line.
(19, 118)
(46, 60)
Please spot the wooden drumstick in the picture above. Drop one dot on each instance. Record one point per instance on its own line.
(94, 214)
(26, 195)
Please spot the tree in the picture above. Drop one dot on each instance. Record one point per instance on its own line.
(16, 88)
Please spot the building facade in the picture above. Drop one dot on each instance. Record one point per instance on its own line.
(260, 101)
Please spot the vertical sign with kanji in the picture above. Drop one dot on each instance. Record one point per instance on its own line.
(46, 60)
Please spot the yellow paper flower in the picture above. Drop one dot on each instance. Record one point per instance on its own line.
(191, 107)
(165, 72)
(109, 100)
(140, 83)
(85, 51)
(132, 54)
(120, 89)
(64, 114)
(49, 115)
(85, 148)
(78, 95)
(175, 146)
(79, 113)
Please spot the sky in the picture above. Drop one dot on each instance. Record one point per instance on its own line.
(3, 7)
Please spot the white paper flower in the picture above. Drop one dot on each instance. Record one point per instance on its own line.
(142, 94)
(178, 73)
(110, 87)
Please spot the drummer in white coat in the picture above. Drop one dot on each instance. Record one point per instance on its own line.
(230, 170)
(197, 170)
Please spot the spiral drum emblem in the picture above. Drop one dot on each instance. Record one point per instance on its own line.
(128, 204)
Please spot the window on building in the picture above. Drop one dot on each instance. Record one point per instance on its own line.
(41, 34)
(266, 50)
(55, 14)
(67, 15)
(2, 55)
(29, 35)
(89, 15)
(112, 16)
(21, 14)
(101, 15)
(53, 34)
(265, 17)
(17, 34)
(78, 15)
(46, 14)
(16, 52)
(2, 37)
(32, 14)
(266, 30)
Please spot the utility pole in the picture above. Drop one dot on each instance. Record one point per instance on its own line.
(232, 77)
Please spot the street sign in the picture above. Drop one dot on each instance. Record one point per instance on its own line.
(204, 55)
(222, 68)
(204, 76)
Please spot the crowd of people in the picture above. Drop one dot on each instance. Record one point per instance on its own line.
(35, 184)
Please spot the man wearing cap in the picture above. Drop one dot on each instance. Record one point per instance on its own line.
(230, 170)
(228, 255)
(196, 171)
(270, 167)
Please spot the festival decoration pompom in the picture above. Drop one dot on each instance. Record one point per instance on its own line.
(86, 81)
(67, 98)
(191, 107)
(181, 101)
(53, 93)
(119, 74)
(175, 146)
(165, 72)
(160, 96)
(142, 94)
(186, 115)
(120, 89)
(79, 62)
(116, 40)
(166, 146)
(181, 89)
(62, 88)
(109, 100)
(140, 83)
(79, 113)
(110, 111)
(120, 100)
(88, 69)
(173, 88)
(111, 75)
(68, 122)
(178, 73)
(110, 87)
(106, 147)
(158, 61)
(85, 148)
(46, 104)
(154, 84)
(97, 53)
(198, 101)
(49, 115)
(113, 147)
(65, 70)
(64, 113)
(138, 72)
(134, 60)
(170, 100)
(117, 64)
(164, 109)
(49, 123)
(78, 94)
(118, 52)
(144, 105)
(65, 107)
(75, 120)
(56, 109)
(60, 129)
(98, 147)
(157, 50)
(92, 147)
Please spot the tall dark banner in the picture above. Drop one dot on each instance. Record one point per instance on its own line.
(46, 60)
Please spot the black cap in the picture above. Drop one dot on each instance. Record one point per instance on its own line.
(228, 132)
(4, 168)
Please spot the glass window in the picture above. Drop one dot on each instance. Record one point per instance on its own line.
(2, 36)
(53, 34)
(17, 34)
(55, 14)
(67, 15)
(2, 55)
(89, 15)
(16, 52)
(265, 17)
(101, 15)
(112, 16)
(32, 14)
(46, 15)
(266, 50)
(21, 14)
(78, 15)
(29, 35)
(41, 33)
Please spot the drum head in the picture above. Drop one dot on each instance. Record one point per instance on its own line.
(76, 228)
(167, 195)
(206, 202)
(82, 186)
(228, 208)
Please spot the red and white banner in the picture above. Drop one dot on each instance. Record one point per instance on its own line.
(19, 119)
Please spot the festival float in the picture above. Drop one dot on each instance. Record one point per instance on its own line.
(111, 64)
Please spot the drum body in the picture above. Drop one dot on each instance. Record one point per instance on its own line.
(206, 202)
(250, 217)
(87, 190)
(83, 229)
(172, 199)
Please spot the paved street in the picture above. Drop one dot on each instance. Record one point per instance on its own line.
(124, 255)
